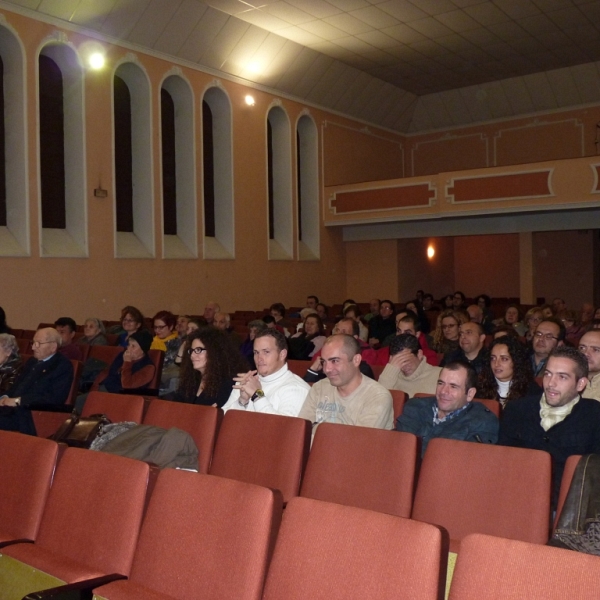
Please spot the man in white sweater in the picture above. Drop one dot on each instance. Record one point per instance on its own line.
(346, 395)
(407, 369)
(272, 388)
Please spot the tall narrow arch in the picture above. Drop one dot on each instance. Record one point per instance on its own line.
(132, 144)
(63, 200)
(217, 169)
(307, 186)
(178, 169)
(279, 188)
(14, 206)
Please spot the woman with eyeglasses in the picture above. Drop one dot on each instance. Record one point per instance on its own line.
(132, 321)
(445, 335)
(533, 317)
(209, 365)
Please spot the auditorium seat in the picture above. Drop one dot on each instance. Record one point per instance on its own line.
(468, 487)
(490, 568)
(117, 407)
(377, 370)
(201, 422)
(26, 471)
(565, 484)
(24, 346)
(363, 467)
(327, 551)
(203, 537)
(299, 367)
(265, 449)
(89, 526)
(399, 399)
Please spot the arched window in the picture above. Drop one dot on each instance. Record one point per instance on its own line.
(307, 181)
(14, 191)
(279, 178)
(134, 207)
(178, 169)
(62, 152)
(217, 169)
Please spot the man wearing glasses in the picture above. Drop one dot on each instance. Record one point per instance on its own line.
(45, 379)
(549, 334)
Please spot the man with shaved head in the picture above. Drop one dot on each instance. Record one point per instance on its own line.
(45, 379)
(346, 395)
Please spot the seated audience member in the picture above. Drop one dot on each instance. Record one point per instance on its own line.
(533, 317)
(352, 311)
(505, 330)
(549, 334)
(132, 321)
(117, 329)
(311, 302)
(407, 369)
(407, 322)
(445, 335)
(512, 317)
(459, 301)
(93, 330)
(573, 329)
(587, 314)
(428, 302)
(547, 311)
(447, 302)
(4, 328)
(247, 347)
(451, 413)
(10, 361)
(181, 326)
(132, 369)
(45, 379)
(223, 322)
(383, 324)
(416, 308)
(346, 395)
(272, 387)
(485, 303)
(210, 310)
(471, 349)
(589, 346)
(66, 327)
(270, 322)
(374, 306)
(559, 306)
(508, 375)
(559, 421)
(208, 368)
(166, 340)
(305, 344)
(323, 312)
(346, 326)
(193, 324)
(277, 311)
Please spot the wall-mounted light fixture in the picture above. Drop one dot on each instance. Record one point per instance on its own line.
(249, 100)
(96, 60)
(430, 252)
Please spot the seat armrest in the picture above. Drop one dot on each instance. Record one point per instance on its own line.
(11, 542)
(61, 408)
(81, 590)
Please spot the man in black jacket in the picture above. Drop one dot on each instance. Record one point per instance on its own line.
(45, 379)
(560, 422)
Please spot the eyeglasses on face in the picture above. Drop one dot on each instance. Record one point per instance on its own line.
(159, 327)
(199, 350)
(547, 336)
(36, 343)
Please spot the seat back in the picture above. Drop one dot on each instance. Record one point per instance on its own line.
(117, 407)
(490, 567)
(77, 370)
(265, 449)
(26, 471)
(201, 422)
(363, 467)
(327, 550)
(565, 484)
(377, 370)
(480, 488)
(157, 357)
(94, 509)
(399, 399)
(493, 405)
(206, 533)
(105, 353)
(299, 367)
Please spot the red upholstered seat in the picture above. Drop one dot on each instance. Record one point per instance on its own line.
(489, 568)
(480, 488)
(91, 519)
(362, 467)
(565, 483)
(203, 537)
(117, 407)
(399, 399)
(201, 422)
(26, 470)
(332, 552)
(264, 449)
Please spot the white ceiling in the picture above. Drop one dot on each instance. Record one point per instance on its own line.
(405, 65)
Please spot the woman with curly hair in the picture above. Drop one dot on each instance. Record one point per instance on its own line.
(208, 368)
(445, 335)
(508, 375)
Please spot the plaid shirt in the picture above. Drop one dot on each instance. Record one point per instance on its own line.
(449, 416)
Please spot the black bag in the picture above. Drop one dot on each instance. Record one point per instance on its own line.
(80, 432)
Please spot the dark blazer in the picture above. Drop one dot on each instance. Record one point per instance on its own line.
(46, 382)
(579, 433)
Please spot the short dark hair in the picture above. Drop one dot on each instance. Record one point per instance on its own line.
(581, 363)
(324, 306)
(268, 319)
(402, 341)
(390, 303)
(355, 326)
(280, 308)
(354, 308)
(315, 298)
(562, 332)
(486, 300)
(463, 297)
(279, 338)
(456, 365)
(411, 317)
(166, 316)
(430, 296)
(66, 322)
